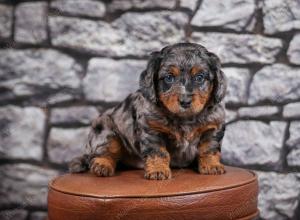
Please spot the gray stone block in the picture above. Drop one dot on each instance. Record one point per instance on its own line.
(234, 14)
(6, 16)
(111, 80)
(90, 8)
(239, 48)
(279, 195)
(258, 111)
(291, 110)
(135, 34)
(293, 157)
(276, 83)
(190, 4)
(121, 5)
(237, 84)
(294, 49)
(281, 15)
(253, 142)
(31, 22)
(21, 132)
(12, 214)
(38, 72)
(75, 114)
(64, 144)
(24, 185)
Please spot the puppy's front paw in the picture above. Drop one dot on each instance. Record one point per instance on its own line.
(214, 169)
(158, 173)
(103, 166)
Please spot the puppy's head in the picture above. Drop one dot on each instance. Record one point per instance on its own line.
(183, 78)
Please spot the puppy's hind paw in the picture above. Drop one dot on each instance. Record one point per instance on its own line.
(77, 165)
(103, 166)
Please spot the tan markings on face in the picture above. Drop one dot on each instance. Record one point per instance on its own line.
(174, 70)
(195, 70)
(170, 101)
(199, 100)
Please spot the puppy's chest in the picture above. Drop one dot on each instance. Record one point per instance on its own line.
(180, 135)
(183, 137)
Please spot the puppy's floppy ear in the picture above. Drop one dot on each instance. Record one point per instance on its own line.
(220, 82)
(148, 76)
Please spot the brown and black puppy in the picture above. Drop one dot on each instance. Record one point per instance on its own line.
(174, 118)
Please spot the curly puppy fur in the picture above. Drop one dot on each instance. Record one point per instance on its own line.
(173, 119)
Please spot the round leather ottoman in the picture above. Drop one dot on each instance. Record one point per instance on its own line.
(188, 195)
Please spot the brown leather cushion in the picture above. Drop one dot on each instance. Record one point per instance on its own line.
(188, 195)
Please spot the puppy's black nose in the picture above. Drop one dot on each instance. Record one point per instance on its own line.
(185, 104)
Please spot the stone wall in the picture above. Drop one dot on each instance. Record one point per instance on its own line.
(62, 62)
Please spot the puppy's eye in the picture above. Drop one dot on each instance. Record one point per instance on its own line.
(169, 78)
(199, 77)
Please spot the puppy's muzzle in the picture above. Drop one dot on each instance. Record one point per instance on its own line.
(185, 101)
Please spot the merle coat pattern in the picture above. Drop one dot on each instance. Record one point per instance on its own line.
(174, 118)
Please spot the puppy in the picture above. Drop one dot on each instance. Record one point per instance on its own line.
(173, 119)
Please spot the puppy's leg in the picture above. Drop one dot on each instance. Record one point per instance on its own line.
(210, 153)
(104, 147)
(157, 164)
(105, 164)
(209, 162)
